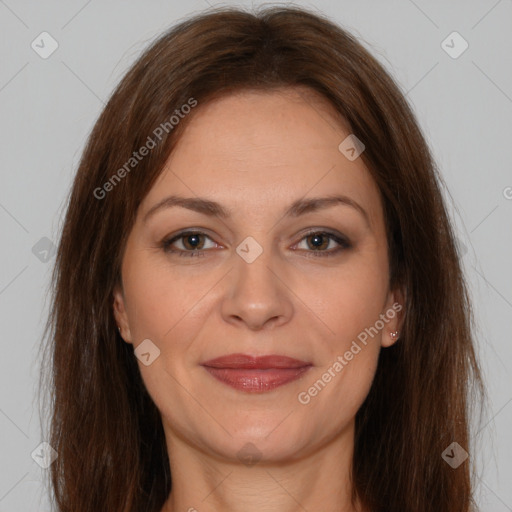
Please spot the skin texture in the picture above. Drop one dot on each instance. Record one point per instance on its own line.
(256, 153)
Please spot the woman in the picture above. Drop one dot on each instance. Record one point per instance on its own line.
(258, 299)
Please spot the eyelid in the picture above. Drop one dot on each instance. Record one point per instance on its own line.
(342, 240)
(168, 240)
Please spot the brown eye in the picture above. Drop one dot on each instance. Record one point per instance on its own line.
(317, 243)
(193, 241)
(192, 244)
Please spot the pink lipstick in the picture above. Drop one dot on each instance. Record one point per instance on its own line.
(256, 374)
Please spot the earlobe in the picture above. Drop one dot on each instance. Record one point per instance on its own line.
(395, 313)
(120, 315)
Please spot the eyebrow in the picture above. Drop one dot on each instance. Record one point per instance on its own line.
(214, 209)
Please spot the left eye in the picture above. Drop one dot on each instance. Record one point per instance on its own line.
(193, 243)
(321, 240)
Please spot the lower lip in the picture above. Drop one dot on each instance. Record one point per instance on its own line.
(257, 380)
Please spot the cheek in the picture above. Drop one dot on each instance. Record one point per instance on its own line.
(159, 298)
(347, 357)
(348, 300)
(349, 303)
(164, 307)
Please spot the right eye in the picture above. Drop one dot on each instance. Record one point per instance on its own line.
(192, 243)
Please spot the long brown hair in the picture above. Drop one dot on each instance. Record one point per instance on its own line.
(104, 426)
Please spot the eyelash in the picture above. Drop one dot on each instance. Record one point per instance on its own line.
(343, 242)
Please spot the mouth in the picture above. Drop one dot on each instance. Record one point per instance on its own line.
(256, 374)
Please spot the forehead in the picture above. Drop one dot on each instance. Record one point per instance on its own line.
(252, 150)
(263, 121)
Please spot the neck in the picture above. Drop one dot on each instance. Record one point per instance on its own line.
(318, 479)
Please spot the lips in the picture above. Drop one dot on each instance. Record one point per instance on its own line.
(243, 361)
(256, 374)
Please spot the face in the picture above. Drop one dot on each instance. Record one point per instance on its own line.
(261, 263)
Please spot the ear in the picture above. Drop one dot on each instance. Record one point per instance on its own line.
(121, 315)
(394, 312)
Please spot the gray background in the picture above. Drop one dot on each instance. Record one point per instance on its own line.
(48, 106)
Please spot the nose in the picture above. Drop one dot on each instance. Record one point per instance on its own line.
(257, 295)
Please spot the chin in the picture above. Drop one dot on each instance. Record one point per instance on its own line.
(263, 442)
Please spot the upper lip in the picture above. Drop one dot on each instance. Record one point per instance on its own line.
(244, 361)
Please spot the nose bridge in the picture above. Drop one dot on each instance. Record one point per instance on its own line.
(256, 295)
